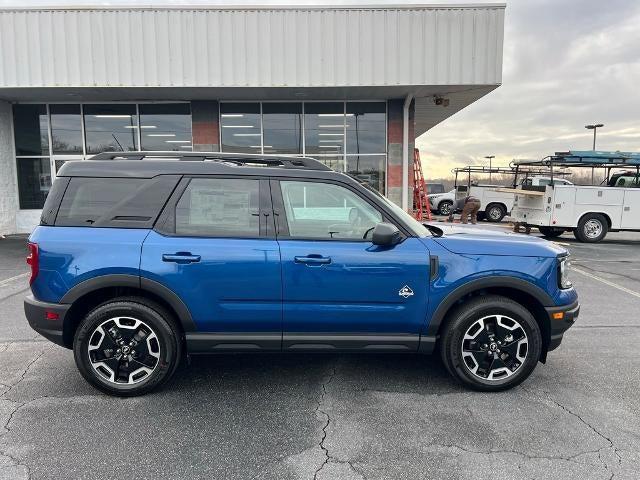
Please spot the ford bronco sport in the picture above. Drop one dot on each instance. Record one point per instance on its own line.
(142, 258)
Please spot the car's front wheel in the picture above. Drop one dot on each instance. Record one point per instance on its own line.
(127, 346)
(491, 343)
(445, 207)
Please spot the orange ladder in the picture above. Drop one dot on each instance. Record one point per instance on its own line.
(420, 200)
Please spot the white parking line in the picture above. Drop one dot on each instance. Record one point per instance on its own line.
(607, 282)
(6, 281)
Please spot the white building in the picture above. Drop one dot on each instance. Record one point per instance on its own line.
(351, 86)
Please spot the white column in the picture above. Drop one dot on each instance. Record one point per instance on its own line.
(8, 185)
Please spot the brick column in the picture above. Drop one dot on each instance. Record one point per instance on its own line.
(394, 150)
(8, 186)
(204, 126)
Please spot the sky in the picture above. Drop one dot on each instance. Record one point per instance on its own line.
(567, 63)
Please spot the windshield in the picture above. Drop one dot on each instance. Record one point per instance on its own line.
(415, 226)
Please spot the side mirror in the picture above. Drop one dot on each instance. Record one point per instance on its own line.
(386, 235)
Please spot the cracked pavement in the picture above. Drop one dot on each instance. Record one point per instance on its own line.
(336, 416)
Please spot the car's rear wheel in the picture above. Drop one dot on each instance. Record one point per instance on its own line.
(127, 346)
(591, 228)
(491, 343)
(551, 232)
(445, 207)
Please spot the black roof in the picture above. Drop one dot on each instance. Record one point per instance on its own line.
(150, 164)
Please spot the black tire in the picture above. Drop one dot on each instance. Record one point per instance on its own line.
(466, 316)
(495, 212)
(592, 228)
(445, 207)
(167, 342)
(551, 232)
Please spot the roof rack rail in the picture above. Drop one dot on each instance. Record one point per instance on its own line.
(238, 159)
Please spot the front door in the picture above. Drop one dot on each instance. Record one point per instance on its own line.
(340, 290)
(215, 251)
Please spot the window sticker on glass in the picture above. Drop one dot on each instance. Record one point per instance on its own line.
(224, 207)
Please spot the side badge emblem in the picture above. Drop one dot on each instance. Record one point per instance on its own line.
(405, 292)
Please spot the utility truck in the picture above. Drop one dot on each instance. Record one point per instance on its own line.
(589, 211)
(495, 201)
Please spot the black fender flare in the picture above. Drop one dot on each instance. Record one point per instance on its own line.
(134, 281)
(482, 283)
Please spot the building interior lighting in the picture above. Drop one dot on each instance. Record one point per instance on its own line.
(178, 141)
(161, 134)
(331, 134)
(239, 126)
(258, 146)
(112, 116)
(142, 126)
(247, 134)
(335, 114)
(331, 126)
(232, 115)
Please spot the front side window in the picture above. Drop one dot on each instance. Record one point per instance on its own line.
(327, 211)
(219, 207)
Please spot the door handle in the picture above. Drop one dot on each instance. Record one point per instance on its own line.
(180, 257)
(313, 260)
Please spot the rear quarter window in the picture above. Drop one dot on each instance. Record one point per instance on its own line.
(114, 202)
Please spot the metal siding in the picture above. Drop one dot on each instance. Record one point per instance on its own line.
(251, 48)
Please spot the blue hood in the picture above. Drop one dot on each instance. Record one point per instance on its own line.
(472, 240)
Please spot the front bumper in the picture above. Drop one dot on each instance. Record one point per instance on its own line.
(36, 313)
(560, 319)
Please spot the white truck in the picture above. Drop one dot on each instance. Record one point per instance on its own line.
(587, 211)
(495, 201)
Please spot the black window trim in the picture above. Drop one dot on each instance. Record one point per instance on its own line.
(166, 224)
(280, 215)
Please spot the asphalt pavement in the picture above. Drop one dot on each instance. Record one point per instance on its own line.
(336, 416)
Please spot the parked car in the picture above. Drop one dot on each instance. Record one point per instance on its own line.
(138, 260)
(442, 203)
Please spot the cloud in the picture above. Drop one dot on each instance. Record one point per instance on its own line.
(566, 64)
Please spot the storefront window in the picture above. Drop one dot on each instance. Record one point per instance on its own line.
(324, 128)
(366, 127)
(282, 124)
(369, 169)
(240, 127)
(110, 128)
(66, 129)
(31, 129)
(165, 127)
(334, 162)
(34, 181)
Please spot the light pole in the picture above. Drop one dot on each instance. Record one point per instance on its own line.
(594, 127)
(490, 157)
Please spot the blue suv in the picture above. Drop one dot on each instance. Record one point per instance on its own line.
(143, 258)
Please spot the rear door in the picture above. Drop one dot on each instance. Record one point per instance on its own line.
(340, 290)
(214, 247)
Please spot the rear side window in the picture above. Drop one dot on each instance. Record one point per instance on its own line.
(114, 202)
(223, 207)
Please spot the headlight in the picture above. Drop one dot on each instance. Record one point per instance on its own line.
(563, 272)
